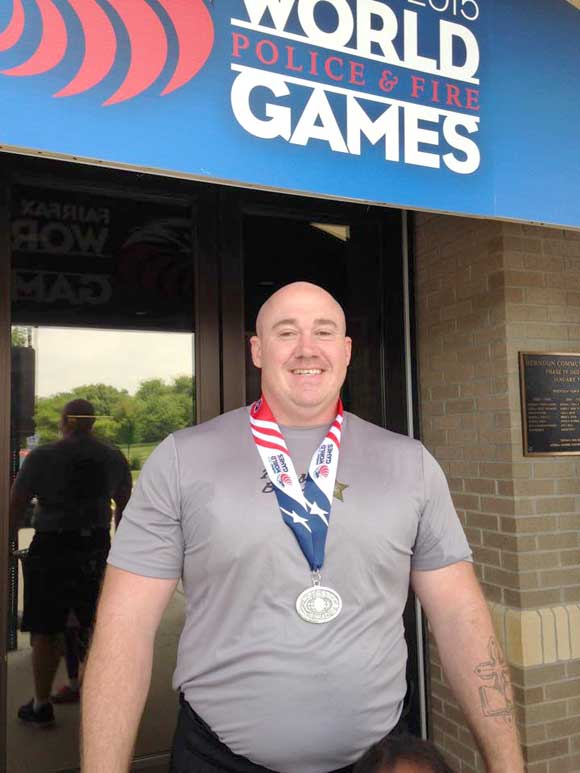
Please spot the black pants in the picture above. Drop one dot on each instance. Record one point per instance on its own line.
(197, 749)
(63, 573)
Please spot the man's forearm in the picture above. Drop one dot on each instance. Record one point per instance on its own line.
(17, 511)
(114, 692)
(479, 677)
(118, 673)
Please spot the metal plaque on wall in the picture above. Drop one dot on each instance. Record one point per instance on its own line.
(550, 393)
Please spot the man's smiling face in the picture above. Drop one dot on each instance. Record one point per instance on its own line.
(303, 352)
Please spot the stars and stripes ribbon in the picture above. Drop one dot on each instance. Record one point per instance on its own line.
(306, 512)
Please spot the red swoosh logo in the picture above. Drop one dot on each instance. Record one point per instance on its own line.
(100, 47)
(52, 46)
(147, 36)
(148, 43)
(15, 28)
(188, 17)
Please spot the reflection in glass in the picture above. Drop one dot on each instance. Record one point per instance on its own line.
(102, 310)
(135, 409)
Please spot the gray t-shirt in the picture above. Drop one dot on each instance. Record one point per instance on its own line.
(287, 694)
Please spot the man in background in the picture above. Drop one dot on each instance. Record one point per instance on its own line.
(73, 480)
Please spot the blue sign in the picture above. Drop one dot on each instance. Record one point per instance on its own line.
(467, 106)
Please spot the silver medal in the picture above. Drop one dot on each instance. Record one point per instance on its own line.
(318, 604)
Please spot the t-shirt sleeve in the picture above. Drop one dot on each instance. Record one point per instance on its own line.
(440, 538)
(149, 540)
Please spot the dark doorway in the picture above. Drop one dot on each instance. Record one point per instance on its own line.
(110, 287)
(356, 253)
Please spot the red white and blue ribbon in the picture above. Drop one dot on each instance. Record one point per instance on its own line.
(306, 512)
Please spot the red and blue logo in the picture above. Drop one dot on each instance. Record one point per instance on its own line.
(322, 471)
(102, 23)
(284, 479)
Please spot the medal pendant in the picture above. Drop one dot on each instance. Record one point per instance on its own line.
(318, 604)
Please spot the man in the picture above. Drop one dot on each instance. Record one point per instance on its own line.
(73, 480)
(292, 656)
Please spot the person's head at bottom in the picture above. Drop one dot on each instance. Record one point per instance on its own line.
(402, 754)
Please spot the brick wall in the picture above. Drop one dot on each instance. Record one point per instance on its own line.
(485, 291)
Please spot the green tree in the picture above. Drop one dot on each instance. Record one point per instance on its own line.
(19, 337)
(157, 418)
(106, 429)
(151, 389)
(156, 410)
(183, 385)
(47, 415)
(103, 397)
(161, 408)
(125, 415)
(183, 388)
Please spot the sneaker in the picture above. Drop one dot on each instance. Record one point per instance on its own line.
(66, 694)
(44, 717)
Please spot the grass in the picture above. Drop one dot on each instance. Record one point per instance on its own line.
(139, 451)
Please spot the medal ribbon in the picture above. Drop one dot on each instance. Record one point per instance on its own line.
(306, 513)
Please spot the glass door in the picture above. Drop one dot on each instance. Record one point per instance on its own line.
(103, 310)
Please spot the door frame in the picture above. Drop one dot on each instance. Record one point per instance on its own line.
(5, 369)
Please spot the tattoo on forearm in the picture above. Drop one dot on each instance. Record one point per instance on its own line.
(496, 697)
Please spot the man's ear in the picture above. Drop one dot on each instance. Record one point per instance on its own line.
(348, 347)
(256, 350)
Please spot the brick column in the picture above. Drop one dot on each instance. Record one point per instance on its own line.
(485, 291)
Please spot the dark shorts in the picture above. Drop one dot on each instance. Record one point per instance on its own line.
(63, 572)
(197, 749)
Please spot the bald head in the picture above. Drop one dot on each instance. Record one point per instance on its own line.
(293, 296)
(303, 353)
